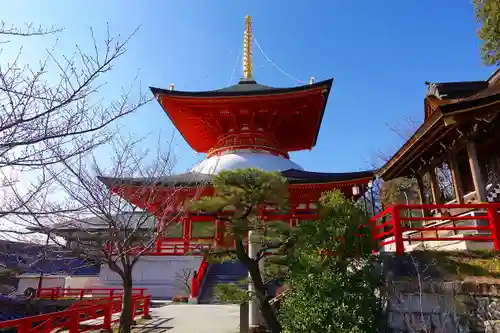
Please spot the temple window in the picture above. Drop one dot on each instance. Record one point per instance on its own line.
(203, 229)
(173, 230)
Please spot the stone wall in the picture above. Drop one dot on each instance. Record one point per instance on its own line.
(447, 307)
(427, 292)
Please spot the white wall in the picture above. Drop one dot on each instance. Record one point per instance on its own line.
(48, 281)
(156, 273)
(83, 282)
(54, 281)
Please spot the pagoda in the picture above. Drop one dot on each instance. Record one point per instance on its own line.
(247, 125)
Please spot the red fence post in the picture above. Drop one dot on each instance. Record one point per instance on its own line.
(108, 312)
(397, 230)
(494, 221)
(146, 314)
(134, 307)
(25, 326)
(74, 325)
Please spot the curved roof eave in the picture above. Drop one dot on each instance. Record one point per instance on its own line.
(194, 178)
(414, 140)
(242, 89)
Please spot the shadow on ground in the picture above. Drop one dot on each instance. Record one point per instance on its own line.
(156, 325)
(158, 304)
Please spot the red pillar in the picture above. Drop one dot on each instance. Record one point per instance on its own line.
(219, 232)
(158, 244)
(187, 224)
(262, 212)
(397, 230)
(494, 221)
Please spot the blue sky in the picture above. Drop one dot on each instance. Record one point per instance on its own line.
(379, 52)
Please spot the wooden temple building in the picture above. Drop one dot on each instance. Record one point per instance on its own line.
(455, 158)
(460, 133)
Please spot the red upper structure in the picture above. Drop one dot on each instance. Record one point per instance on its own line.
(248, 116)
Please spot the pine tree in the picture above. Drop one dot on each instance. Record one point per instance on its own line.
(239, 200)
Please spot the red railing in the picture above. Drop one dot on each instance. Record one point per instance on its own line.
(188, 244)
(397, 225)
(198, 278)
(173, 247)
(85, 293)
(88, 317)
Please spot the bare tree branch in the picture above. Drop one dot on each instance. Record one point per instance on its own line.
(28, 31)
(52, 112)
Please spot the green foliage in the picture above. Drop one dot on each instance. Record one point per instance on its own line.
(238, 194)
(231, 293)
(335, 292)
(342, 229)
(488, 15)
(330, 300)
(216, 256)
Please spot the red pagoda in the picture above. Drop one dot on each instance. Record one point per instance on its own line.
(247, 125)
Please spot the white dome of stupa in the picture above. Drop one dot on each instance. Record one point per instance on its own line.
(243, 160)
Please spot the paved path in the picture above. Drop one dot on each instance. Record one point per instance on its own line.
(191, 318)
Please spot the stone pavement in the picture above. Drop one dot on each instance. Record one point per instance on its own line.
(191, 318)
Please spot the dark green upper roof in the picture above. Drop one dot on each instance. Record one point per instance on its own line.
(243, 88)
(195, 178)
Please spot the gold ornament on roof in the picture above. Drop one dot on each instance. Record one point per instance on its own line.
(247, 49)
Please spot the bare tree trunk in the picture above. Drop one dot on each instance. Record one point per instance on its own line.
(266, 309)
(268, 313)
(126, 317)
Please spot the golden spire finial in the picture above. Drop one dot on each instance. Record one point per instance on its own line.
(247, 49)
